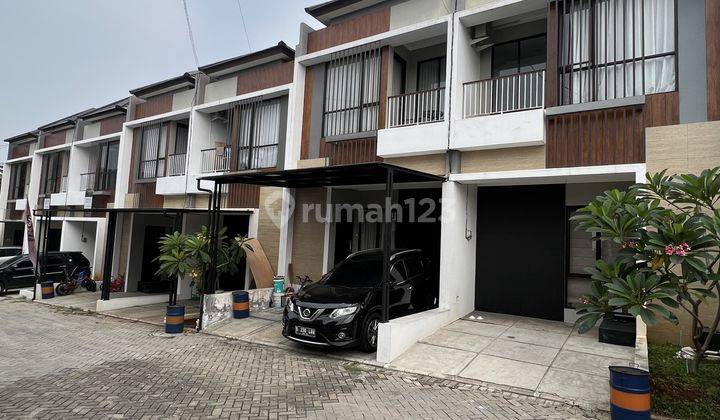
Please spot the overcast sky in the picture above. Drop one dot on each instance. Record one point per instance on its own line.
(62, 57)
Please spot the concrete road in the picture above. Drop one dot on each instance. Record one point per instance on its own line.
(60, 363)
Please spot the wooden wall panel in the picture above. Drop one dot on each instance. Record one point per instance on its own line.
(111, 125)
(54, 139)
(154, 106)
(384, 81)
(551, 78)
(265, 77)
(712, 34)
(242, 196)
(19, 150)
(608, 136)
(352, 29)
(307, 115)
(147, 199)
(347, 152)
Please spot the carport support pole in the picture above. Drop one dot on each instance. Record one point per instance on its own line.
(387, 230)
(213, 232)
(109, 248)
(44, 229)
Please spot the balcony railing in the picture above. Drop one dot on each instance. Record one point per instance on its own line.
(422, 107)
(87, 181)
(215, 160)
(105, 180)
(149, 169)
(176, 164)
(517, 92)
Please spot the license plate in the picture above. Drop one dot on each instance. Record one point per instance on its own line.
(305, 331)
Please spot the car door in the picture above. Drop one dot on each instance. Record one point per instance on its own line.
(400, 287)
(22, 274)
(55, 268)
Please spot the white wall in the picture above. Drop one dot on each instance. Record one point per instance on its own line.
(183, 100)
(91, 130)
(513, 129)
(413, 140)
(414, 11)
(225, 88)
(123, 171)
(73, 233)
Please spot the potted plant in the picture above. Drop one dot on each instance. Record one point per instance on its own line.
(188, 255)
(669, 232)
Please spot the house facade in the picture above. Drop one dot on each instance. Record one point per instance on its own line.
(527, 108)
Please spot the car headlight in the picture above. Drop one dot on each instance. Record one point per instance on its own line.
(291, 305)
(343, 311)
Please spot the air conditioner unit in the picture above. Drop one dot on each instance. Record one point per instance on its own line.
(481, 37)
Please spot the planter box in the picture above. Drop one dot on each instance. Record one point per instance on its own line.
(619, 330)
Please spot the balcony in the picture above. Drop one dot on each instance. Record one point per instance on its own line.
(216, 159)
(176, 164)
(100, 181)
(416, 124)
(499, 112)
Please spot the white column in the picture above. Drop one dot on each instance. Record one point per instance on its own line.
(457, 248)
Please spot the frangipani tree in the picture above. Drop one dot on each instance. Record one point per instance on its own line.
(183, 254)
(669, 232)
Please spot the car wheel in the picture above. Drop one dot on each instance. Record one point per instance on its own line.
(368, 340)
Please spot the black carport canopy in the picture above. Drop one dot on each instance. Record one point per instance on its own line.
(327, 176)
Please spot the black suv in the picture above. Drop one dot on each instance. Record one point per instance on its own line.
(343, 309)
(19, 271)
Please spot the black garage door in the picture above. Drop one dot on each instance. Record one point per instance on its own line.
(521, 250)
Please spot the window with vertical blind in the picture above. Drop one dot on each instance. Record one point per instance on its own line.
(612, 49)
(18, 180)
(152, 151)
(352, 93)
(258, 134)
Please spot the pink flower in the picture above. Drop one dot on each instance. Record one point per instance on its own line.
(669, 250)
(680, 251)
(685, 246)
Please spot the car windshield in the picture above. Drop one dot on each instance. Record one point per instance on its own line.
(361, 271)
(10, 261)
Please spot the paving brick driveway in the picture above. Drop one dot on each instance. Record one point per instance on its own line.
(58, 363)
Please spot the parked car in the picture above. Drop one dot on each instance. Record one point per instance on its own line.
(343, 309)
(7, 252)
(19, 271)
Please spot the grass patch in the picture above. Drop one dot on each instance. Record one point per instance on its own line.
(677, 394)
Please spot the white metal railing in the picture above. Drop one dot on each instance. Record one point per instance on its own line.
(498, 95)
(422, 107)
(176, 164)
(87, 181)
(215, 159)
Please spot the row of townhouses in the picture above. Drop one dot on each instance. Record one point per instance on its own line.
(520, 112)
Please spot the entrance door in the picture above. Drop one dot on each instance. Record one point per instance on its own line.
(150, 281)
(521, 251)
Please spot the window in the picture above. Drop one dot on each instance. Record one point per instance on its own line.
(414, 266)
(398, 273)
(52, 167)
(519, 56)
(107, 166)
(431, 74)
(152, 150)
(352, 94)
(258, 134)
(615, 48)
(18, 180)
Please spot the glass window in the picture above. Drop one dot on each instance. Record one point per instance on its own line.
(431, 74)
(361, 271)
(519, 56)
(414, 266)
(259, 134)
(352, 94)
(616, 48)
(398, 273)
